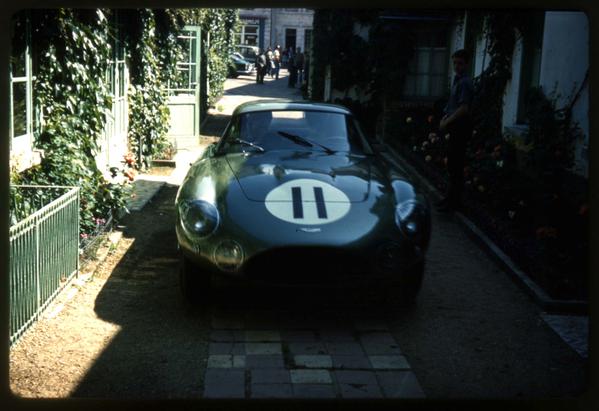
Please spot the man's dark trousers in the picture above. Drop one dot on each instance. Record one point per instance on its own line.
(459, 135)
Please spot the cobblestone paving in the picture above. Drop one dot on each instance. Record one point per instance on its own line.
(266, 354)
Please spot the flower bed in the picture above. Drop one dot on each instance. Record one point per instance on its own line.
(541, 223)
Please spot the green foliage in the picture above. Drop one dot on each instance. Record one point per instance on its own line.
(73, 49)
(153, 51)
(551, 134)
(376, 71)
(221, 24)
(72, 53)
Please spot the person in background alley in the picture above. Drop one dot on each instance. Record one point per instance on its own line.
(299, 65)
(270, 65)
(289, 57)
(284, 59)
(277, 60)
(306, 67)
(457, 123)
(292, 69)
(260, 67)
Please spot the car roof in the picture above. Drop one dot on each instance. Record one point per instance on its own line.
(292, 105)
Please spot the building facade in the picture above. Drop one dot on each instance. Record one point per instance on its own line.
(264, 27)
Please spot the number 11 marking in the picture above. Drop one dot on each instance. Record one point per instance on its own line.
(298, 210)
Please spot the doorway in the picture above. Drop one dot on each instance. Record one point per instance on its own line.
(290, 36)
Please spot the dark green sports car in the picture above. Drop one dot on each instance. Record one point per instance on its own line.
(294, 194)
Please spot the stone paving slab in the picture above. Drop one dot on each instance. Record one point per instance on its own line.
(314, 391)
(219, 383)
(389, 362)
(264, 361)
(313, 361)
(361, 391)
(399, 384)
(311, 377)
(270, 376)
(271, 391)
(260, 348)
(350, 362)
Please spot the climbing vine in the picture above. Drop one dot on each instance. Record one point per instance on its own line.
(373, 72)
(73, 49)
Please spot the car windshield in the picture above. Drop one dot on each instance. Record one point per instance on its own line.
(290, 130)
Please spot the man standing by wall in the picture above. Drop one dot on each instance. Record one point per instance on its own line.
(260, 67)
(277, 58)
(299, 64)
(457, 123)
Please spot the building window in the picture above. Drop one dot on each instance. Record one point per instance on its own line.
(249, 34)
(427, 70)
(532, 44)
(292, 10)
(21, 81)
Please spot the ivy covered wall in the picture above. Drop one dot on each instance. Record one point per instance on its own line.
(71, 92)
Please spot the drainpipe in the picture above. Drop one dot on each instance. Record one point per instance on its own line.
(272, 23)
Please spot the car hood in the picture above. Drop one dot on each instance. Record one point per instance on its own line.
(259, 174)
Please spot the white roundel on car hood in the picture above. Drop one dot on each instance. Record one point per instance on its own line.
(308, 202)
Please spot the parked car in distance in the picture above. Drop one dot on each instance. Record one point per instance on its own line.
(239, 65)
(294, 194)
(248, 52)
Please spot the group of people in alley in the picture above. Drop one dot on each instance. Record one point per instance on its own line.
(269, 62)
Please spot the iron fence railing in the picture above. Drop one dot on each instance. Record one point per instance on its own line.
(44, 250)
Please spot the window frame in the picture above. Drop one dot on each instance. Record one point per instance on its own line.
(242, 35)
(532, 51)
(23, 142)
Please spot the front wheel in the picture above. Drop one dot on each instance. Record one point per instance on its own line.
(195, 285)
(404, 291)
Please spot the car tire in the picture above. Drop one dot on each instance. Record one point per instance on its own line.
(195, 286)
(403, 293)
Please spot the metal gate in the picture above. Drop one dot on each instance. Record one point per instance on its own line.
(184, 93)
(44, 250)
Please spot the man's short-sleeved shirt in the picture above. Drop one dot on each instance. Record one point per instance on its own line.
(462, 92)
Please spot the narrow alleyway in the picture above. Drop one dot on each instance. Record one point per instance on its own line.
(127, 334)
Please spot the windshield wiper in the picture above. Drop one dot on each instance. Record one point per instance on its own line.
(305, 142)
(249, 143)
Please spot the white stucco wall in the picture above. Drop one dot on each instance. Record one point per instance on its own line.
(277, 20)
(300, 21)
(510, 98)
(564, 63)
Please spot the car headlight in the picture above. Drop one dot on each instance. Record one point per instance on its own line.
(228, 255)
(411, 218)
(198, 217)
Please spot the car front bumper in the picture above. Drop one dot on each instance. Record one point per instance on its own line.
(309, 265)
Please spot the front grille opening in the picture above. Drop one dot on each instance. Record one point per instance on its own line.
(308, 265)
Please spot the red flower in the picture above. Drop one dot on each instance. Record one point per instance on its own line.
(546, 232)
